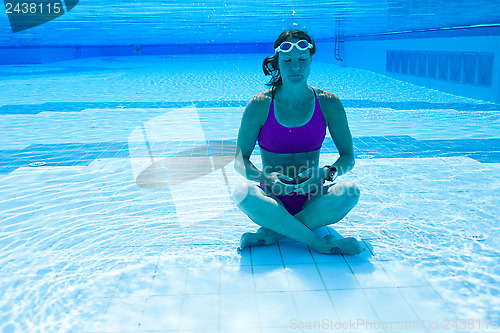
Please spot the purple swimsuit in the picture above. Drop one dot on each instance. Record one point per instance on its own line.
(276, 138)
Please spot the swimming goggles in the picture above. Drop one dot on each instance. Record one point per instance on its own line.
(286, 47)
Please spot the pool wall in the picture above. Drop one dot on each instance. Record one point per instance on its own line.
(15, 55)
(459, 61)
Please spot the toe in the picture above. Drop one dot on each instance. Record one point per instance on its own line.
(243, 241)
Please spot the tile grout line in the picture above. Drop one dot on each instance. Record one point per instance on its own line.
(219, 321)
(259, 320)
(288, 282)
(392, 281)
(324, 284)
(183, 298)
(430, 284)
(149, 291)
(363, 291)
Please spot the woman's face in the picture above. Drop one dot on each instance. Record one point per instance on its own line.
(294, 65)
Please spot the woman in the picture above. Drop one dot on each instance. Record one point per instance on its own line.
(289, 121)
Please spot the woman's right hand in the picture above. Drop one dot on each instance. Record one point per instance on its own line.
(277, 183)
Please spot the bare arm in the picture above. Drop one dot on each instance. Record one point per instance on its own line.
(251, 123)
(339, 131)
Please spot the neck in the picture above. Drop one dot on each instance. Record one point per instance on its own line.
(295, 93)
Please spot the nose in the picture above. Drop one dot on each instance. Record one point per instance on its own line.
(295, 66)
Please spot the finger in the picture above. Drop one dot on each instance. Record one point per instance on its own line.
(303, 188)
(290, 189)
(303, 191)
(284, 177)
(305, 173)
(308, 186)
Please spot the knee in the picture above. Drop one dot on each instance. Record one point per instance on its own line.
(350, 191)
(242, 193)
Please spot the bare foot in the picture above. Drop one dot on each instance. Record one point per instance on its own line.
(350, 246)
(262, 237)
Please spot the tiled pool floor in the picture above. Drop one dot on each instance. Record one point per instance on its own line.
(84, 249)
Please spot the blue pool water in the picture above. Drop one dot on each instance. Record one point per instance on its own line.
(85, 249)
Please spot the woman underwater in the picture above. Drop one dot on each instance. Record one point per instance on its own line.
(289, 121)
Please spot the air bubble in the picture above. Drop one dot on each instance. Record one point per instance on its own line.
(37, 164)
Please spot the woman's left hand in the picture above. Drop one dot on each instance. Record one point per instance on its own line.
(314, 176)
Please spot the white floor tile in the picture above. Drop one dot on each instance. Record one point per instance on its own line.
(337, 276)
(390, 305)
(275, 309)
(266, 255)
(370, 275)
(270, 278)
(135, 283)
(200, 312)
(238, 311)
(202, 280)
(236, 279)
(161, 313)
(304, 277)
(326, 258)
(123, 315)
(427, 304)
(295, 253)
(239, 330)
(103, 285)
(314, 307)
(286, 329)
(403, 274)
(169, 280)
(352, 305)
(91, 312)
(231, 256)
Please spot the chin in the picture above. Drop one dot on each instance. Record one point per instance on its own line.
(296, 79)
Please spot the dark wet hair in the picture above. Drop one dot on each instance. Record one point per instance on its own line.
(270, 64)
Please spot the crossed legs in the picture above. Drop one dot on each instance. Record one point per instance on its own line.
(329, 205)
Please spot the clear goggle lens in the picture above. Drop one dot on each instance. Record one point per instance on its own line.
(301, 45)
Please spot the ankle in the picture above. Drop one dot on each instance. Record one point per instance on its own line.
(268, 233)
(320, 244)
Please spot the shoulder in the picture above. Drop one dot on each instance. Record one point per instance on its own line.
(326, 97)
(261, 99)
(330, 104)
(258, 106)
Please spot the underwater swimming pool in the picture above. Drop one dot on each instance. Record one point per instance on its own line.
(118, 125)
(85, 249)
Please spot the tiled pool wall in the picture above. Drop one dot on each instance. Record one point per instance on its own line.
(12, 55)
(461, 61)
